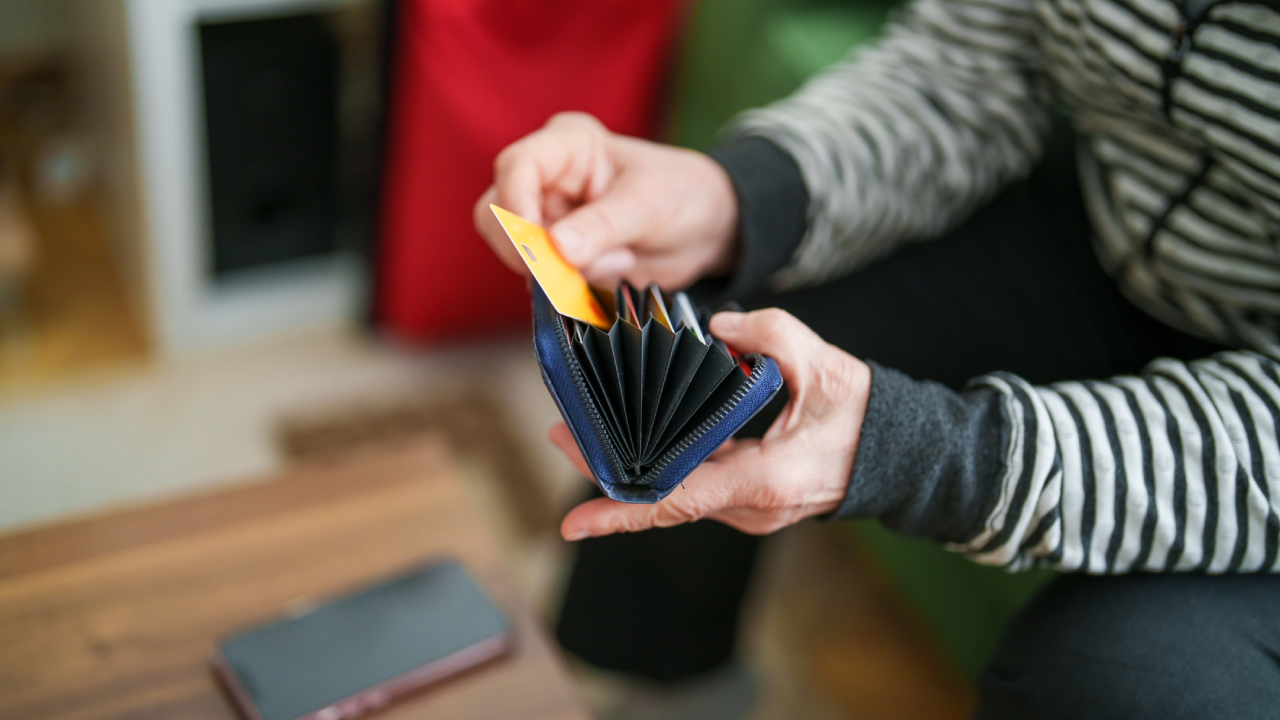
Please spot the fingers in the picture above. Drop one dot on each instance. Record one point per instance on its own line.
(561, 176)
(569, 156)
(771, 332)
(805, 361)
(591, 235)
(603, 516)
(723, 481)
(615, 206)
(821, 379)
(727, 447)
(491, 230)
(610, 268)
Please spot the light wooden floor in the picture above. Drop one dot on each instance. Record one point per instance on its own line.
(77, 317)
(826, 634)
(824, 607)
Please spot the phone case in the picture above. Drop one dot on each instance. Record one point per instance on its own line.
(382, 693)
(646, 405)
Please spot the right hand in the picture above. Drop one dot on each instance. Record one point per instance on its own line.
(801, 466)
(617, 207)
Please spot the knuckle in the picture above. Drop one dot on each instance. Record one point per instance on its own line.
(633, 522)
(847, 373)
(596, 227)
(670, 513)
(772, 323)
(771, 493)
(509, 156)
(774, 497)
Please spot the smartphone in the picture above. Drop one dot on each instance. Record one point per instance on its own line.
(355, 653)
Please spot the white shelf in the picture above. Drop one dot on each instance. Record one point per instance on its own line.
(188, 310)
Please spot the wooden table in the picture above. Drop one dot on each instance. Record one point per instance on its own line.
(115, 616)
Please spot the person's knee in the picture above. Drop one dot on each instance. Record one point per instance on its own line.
(1140, 646)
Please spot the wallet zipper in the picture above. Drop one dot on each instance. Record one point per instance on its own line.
(593, 413)
(757, 370)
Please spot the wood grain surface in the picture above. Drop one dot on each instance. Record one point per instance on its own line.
(115, 616)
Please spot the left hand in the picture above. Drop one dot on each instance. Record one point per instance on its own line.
(800, 467)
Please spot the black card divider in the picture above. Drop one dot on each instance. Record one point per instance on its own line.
(600, 352)
(658, 344)
(627, 342)
(719, 396)
(602, 403)
(686, 356)
(714, 368)
(652, 385)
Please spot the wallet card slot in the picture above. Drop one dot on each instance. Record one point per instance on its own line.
(627, 345)
(616, 470)
(626, 303)
(686, 355)
(599, 350)
(658, 342)
(716, 365)
(622, 478)
(608, 301)
(719, 396)
(655, 308)
(687, 317)
(686, 440)
(617, 432)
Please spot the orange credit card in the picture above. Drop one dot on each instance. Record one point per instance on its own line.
(563, 284)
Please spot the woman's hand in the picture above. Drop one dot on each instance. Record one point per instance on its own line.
(616, 206)
(800, 468)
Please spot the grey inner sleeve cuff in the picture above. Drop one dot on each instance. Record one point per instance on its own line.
(773, 203)
(930, 460)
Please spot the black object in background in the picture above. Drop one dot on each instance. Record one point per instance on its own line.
(359, 652)
(686, 583)
(271, 119)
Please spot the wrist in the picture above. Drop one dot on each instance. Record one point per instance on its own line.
(770, 210)
(850, 390)
(860, 399)
(722, 220)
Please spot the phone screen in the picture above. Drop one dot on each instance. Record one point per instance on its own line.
(334, 651)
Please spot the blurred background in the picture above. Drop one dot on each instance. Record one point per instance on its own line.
(236, 234)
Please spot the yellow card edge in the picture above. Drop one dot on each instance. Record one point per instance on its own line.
(603, 321)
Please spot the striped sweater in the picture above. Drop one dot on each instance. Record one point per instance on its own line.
(1178, 108)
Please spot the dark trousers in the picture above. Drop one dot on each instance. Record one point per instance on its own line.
(1018, 288)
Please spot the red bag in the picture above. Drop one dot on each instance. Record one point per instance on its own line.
(470, 77)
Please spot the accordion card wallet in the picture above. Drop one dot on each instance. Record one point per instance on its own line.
(645, 389)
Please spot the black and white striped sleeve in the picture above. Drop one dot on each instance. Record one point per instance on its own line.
(1177, 469)
(910, 134)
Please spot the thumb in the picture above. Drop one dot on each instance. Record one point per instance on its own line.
(601, 227)
(771, 332)
(709, 489)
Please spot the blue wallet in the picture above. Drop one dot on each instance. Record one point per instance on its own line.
(649, 400)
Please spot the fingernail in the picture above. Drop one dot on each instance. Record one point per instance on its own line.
(576, 536)
(569, 240)
(726, 321)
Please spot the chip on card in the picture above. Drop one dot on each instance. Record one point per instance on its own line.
(563, 284)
